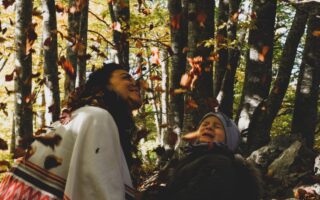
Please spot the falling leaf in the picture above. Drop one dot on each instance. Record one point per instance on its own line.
(30, 98)
(31, 37)
(316, 33)
(67, 66)
(159, 89)
(2, 39)
(175, 21)
(3, 144)
(52, 161)
(59, 7)
(191, 104)
(3, 108)
(234, 17)
(201, 18)
(139, 44)
(47, 42)
(263, 53)
(179, 91)
(50, 140)
(7, 3)
(138, 70)
(151, 27)
(155, 78)
(9, 77)
(146, 11)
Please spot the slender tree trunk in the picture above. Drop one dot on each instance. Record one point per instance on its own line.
(221, 38)
(305, 110)
(200, 27)
(178, 28)
(258, 61)
(164, 97)
(72, 50)
(50, 53)
(83, 33)
(259, 128)
(23, 68)
(226, 94)
(120, 16)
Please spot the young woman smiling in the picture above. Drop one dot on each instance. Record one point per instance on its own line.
(91, 150)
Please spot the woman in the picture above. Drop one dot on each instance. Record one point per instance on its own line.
(210, 170)
(86, 156)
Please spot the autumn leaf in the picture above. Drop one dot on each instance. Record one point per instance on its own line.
(139, 44)
(47, 42)
(316, 33)
(201, 18)
(52, 161)
(175, 21)
(3, 108)
(2, 39)
(155, 78)
(7, 3)
(31, 37)
(159, 89)
(263, 53)
(30, 98)
(9, 77)
(214, 57)
(67, 66)
(37, 13)
(138, 70)
(146, 11)
(191, 104)
(59, 7)
(3, 144)
(234, 17)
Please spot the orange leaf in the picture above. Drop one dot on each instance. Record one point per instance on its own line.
(191, 104)
(201, 18)
(263, 53)
(179, 91)
(67, 66)
(155, 78)
(316, 33)
(175, 21)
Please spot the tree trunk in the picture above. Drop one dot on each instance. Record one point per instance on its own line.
(120, 16)
(72, 53)
(259, 128)
(83, 33)
(221, 39)
(226, 94)
(164, 97)
(23, 68)
(258, 61)
(50, 53)
(200, 27)
(305, 111)
(178, 28)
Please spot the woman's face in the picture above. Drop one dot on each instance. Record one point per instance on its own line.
(125, 86)
(211, 130)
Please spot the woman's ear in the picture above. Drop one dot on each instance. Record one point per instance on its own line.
(191, 137)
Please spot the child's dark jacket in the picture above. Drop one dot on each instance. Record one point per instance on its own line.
(211, 173)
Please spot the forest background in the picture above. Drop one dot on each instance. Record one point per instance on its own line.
(257, 61)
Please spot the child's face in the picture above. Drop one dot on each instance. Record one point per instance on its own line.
(211, 130)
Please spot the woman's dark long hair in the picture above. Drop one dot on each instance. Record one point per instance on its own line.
(94, 92)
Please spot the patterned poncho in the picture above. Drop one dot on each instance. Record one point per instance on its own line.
(86, 162)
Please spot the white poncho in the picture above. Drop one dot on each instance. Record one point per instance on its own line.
(88, 163)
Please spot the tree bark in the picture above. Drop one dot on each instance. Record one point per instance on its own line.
(83, 34)
(305, 111)
(50, 53)
(178, 27)
(221, 39)
(258, 61)
(259, 128)
(72, 53)
(23, 69)
(120, 16)
(226, 93)
(200, 28)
